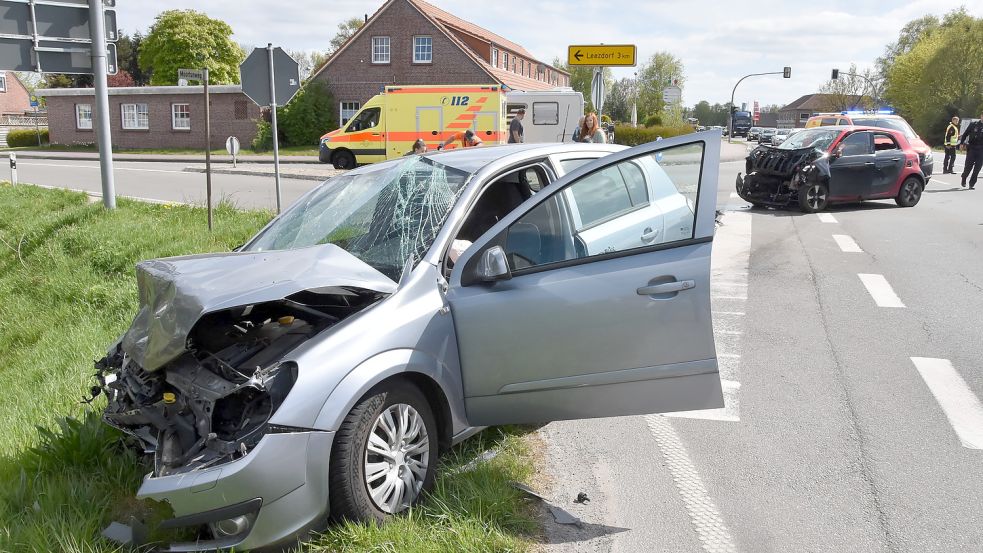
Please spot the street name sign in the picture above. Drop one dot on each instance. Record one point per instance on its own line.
(602, 55)
(254, 73)
(191, 74)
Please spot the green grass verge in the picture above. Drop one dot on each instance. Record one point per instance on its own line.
(67, 291)
(284, 150)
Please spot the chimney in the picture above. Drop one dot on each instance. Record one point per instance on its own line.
(366, 18)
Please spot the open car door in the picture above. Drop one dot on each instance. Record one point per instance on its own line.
(550, 330)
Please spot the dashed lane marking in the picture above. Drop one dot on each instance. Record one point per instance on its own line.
(826, 217)
(847, 244)
(880, 290)
(958, 402)
(703, 514)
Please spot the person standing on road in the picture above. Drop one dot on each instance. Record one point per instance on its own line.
(972, 141)
(515, 127)
(951, 141)
(576, 132)
(590, 131)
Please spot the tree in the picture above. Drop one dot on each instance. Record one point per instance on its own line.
(346, 29)
(128, 57)
(619, 98)
(189, 39)
(849, 91)
(303, 120)
(121, 78)
(62, 80)
(308, 61)
(661, 70)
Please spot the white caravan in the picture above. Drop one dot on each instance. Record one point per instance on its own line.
(551, 115)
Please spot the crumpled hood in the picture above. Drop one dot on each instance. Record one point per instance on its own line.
(176, 291)
(777, 161)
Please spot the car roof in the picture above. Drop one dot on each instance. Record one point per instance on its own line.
(471, 160)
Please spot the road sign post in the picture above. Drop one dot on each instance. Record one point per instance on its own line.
(270, 77)
(13, 169)
(103, 135)
(597, 92)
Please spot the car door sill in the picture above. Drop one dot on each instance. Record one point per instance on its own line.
(675, 370)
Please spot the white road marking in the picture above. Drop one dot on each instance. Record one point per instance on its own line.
(116, 167)
(960, 404)
(826, 217)
(703, 514)
(880, 290)
(847, 244)
(735, 313)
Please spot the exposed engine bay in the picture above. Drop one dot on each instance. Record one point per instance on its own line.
(775, 176)
(213, 402)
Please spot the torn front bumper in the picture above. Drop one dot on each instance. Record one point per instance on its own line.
(773, 191)
(288, 472)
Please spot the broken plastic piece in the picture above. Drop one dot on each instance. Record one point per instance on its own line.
(134, 533)
(582, 498)
(563, 517)
(526, 489)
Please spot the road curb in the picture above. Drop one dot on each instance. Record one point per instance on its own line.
(160, 158)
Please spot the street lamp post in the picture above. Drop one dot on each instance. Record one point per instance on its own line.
(786, 72)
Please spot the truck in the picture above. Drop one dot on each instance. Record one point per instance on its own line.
(742, 123)
(389, 123)
(551, 115)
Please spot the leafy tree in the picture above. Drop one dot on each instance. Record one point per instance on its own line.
(301, 122)
(619, 98)
(308, 61)
(715, 114)
(62, 80)
(121, 78)
(346, 29)
(848, 91)
(127, 56)
(189, 39)
(661, 70)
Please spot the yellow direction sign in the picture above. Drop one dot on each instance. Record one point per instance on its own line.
(602, 55)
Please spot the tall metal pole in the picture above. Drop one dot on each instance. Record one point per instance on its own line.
(97, 33)
(276, 145)
(730, 132)
(208, 150)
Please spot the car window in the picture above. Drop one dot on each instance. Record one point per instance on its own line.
(843, 121)
(610, 223)
(635, 182)
(888, 123)
(569, 165)
(856, 144)
(884, 142)
(828, 121)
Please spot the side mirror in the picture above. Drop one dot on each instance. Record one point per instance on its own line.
(493, 265)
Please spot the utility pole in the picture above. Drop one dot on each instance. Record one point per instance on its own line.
(208, 149)
(97, 33)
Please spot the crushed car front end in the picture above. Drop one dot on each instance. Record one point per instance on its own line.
(774, 176)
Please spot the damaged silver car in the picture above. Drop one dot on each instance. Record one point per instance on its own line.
(318, 372)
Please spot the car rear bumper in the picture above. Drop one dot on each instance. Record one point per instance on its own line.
(287, 473)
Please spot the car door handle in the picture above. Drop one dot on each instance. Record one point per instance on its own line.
(666, 288)
(649, 235)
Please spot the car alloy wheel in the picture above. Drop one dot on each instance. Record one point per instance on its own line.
(813, 197)
(397, 456)
(910, 193)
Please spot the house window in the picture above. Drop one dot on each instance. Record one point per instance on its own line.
(505, 57)
(348, 109)
(380, 49)
(3, 82)
(241, 109)
(522, 67)
(83, 116)
(803, 117)
(494, 57)
(180, 117)
(135, 116)
(422, 49)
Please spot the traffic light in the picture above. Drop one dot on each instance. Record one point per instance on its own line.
(787, 72)
(836, 74)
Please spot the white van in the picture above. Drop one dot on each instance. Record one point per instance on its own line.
(551, 115)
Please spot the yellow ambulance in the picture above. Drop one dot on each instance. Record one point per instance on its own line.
(387, 125)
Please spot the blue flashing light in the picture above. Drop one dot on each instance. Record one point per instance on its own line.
(885, 111)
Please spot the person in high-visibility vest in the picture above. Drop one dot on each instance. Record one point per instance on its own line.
(951, 142)
(467, 139)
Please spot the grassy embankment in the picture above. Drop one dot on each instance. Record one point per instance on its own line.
(67, 290)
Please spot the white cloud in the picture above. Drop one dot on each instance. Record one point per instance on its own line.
(718, 40)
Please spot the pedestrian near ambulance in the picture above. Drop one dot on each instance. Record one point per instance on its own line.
(466, 138)
(951, 142)
(972, 141)
(591, 131)
(576, 132)
(515, 127)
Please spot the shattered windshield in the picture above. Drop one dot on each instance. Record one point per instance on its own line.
(819, 138)
(382, 217)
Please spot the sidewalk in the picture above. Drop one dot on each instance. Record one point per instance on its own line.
(160, 158)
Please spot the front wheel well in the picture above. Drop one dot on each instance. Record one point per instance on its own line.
(435, 397)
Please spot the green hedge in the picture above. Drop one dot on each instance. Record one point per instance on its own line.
(20, 138)
(632, 136)
(301, 122)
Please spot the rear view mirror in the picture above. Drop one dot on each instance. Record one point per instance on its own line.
(493, 265)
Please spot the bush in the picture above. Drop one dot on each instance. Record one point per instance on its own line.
(301, 122)
(653, 120)
(631, 136)
(21, 138)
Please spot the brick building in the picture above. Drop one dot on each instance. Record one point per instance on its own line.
(797, 113)
(153, 116)
(412, 42)
(14, 97)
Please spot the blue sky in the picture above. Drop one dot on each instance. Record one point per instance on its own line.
(718, 40)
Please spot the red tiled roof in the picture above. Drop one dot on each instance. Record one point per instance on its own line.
(456, 22)
(516, 81)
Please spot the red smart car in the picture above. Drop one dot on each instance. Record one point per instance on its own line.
(824, 165)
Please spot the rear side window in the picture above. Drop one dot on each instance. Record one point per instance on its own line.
(883, 142)
(886, 123)
(856, 144)
(828, 121)
(635, 181)
(600, 196)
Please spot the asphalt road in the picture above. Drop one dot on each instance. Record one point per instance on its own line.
(833, 440)
(852, 420)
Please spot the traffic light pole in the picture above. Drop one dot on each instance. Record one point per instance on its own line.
(730, 131)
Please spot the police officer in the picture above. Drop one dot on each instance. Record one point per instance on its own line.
(972, 141)
(951, 141)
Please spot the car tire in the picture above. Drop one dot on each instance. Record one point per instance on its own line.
(813, 197)
(343, 159)
(360, 498)
(910, 192)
